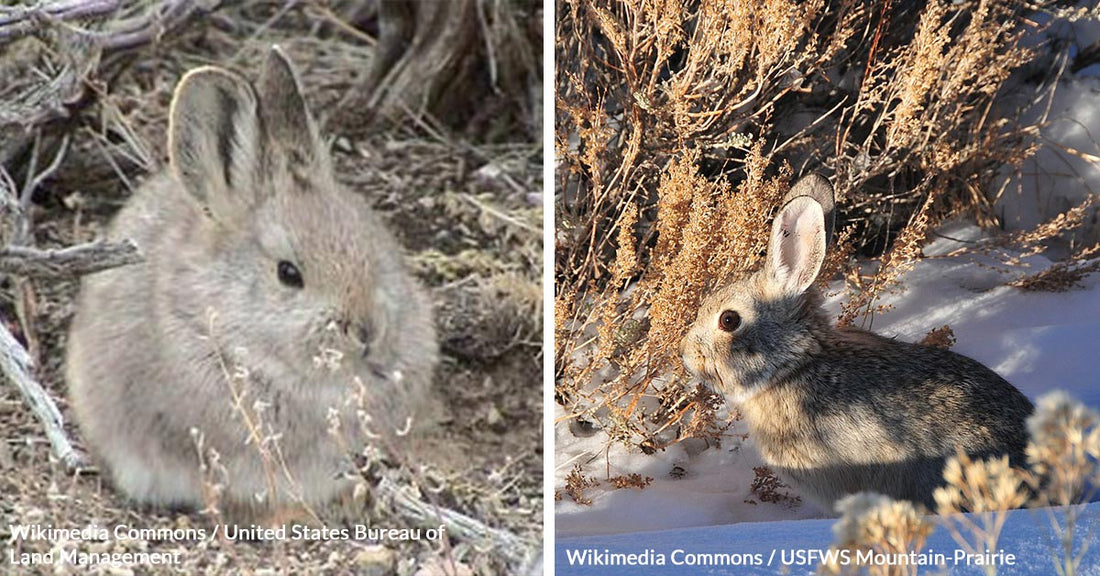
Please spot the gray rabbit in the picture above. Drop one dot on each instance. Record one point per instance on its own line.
(259, 269)
(838, 410)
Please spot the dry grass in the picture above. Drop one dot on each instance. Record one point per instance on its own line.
(942, 337)
(769, 488)
(470, 214)
(631, 481)
(576, 483)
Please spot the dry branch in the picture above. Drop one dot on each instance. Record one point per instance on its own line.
(17, 366)
(518, 551)
(126, 32)
(19, 259)
(67, 262)
(423, 53)
(55, 52)
(145, 28)
(21, 21)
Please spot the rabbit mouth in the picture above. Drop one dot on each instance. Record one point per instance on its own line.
(704, 370)
(729, 385)
(384, 373)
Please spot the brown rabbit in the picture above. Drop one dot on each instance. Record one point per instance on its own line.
(258, 268)
(841, 410)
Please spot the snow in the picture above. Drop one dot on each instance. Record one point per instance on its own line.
(1065, 170)
(776, 546)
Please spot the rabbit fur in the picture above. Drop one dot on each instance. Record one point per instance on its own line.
(259, 268)
(838, 410)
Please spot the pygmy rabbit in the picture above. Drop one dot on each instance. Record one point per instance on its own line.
(263, 279)
(838, 410)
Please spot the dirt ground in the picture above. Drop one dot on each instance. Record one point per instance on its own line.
(470, 216)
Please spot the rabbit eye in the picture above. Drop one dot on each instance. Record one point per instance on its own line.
(729, 321)
(289, 275)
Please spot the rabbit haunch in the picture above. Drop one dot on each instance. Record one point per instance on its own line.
(838, 410)
(262, 277)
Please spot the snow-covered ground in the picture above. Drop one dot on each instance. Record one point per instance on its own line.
(1065, 169)
(788, 547)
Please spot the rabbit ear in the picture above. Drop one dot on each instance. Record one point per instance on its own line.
(286, 118)
(214, 137)
(797, 246)
(817, 187)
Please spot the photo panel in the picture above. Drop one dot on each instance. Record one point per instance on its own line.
(825, 287)
(273, 282)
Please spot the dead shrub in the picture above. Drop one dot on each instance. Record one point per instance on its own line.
(876, 524)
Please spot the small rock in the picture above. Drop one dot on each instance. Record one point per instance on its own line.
(443, 567)
(376, 561)
(490, 171)
(7, 461)
(494, 418)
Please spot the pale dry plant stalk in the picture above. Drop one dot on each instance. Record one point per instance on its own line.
(1034, 240)
(1062, 275)
(213, 474)
(722, 234)
(924, 106)
(622, 270)
(260, 436)
(360, 442)
(1077, 13)
(1013, 248)
(916, 72)
(977, 500)
(877, 525)
(1064, 460)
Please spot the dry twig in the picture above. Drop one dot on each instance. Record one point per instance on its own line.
(67, 262)
(16, 364)
(518, 551)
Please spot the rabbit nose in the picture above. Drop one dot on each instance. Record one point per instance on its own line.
(365, 336)
(361, 334)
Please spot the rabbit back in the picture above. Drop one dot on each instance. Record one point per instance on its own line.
(120, 371)
(875, 414)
